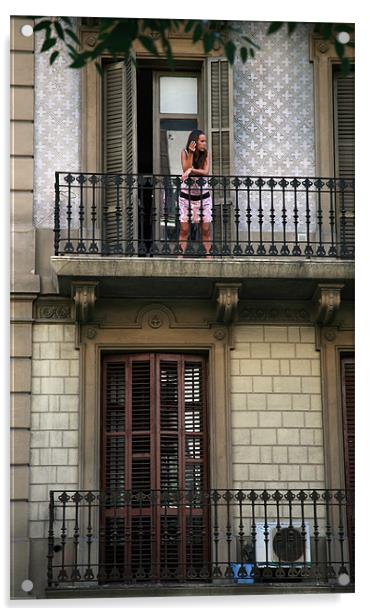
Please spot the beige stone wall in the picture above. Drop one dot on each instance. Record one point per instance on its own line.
(54, 419)
(276, 412)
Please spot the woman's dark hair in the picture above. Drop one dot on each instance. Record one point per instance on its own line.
(199, 157)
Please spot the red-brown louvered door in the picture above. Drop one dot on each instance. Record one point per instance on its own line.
(348, 408)
(154, 467)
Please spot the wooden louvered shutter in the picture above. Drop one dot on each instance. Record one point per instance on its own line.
(154, 438)
(348, 410)
(220, 115)
(120, 153)
(220, 129)
(114, 424)
(348, 398)
(344, 137)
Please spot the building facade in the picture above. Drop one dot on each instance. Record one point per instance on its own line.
(177, 419)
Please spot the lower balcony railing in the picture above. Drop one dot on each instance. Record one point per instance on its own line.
(213, 537)
(147, 215)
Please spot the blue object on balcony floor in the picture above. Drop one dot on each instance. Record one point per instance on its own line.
(238, 578)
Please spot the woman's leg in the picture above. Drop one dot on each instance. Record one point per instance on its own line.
(206, 236)
(183, 237)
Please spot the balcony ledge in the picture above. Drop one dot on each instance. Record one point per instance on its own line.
(123, 276)
(161, 590)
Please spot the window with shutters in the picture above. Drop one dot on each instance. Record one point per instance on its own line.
(344, 148)
(147, 116)
(153, 453)
(348, 411)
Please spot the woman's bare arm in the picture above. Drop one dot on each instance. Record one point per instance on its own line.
(186, 160)
(204, 170)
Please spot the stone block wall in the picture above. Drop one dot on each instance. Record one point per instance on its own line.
(54, 419)
(276, 412)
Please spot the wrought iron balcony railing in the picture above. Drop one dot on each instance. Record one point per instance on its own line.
(146, 215)
(214, 536)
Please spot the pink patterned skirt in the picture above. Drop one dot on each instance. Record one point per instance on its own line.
(200, 206)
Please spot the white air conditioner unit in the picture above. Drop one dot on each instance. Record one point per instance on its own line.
(286, 545)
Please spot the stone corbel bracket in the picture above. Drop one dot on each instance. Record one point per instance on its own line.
(227, 297)
(326, 300)
(84, 295)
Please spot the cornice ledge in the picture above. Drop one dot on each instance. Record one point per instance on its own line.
(326, 300)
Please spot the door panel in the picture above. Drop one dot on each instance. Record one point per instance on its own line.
(154, 457)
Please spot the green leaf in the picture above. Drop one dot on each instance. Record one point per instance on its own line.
(345, 67)
(73, 50)
(42, 25)
(59, 30)
(80, 60)
(246, 38)
(208, 41)
(292, 26)
(53, 57)
(325, 30)
(48, 43)
(149, 44)
(67, 21)
(230, 49)
(197, 34)
(189, 25)
(72, 35)
(244, 54)
(339, 48)
(274, 27)
(251, 51)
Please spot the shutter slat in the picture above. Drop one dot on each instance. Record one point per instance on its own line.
(344, 124)
(154, 415)
(348, 396)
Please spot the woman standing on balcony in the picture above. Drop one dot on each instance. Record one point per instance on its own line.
(195, 202)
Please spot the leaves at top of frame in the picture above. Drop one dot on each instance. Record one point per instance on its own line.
(42, 25)
(149, 44)
(72, 35)
(274, 26)
(209, 41)
(48, 43)
(59, 29)
(53, 57)
(339, 48)
(292, 26)
(67, 20)
(244, 54)
(189, 25)
(230, 49)
(251, 42)
(345, 67)
(198, 31)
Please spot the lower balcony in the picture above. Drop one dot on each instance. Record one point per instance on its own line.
(210, 542)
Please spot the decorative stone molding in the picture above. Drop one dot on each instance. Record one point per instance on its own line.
(227, 297)
(276, 313)
(54, 312)
(326, 301)
(219, 334)
(330, 334)
(155, 316)
(84, 295)
(155, 321)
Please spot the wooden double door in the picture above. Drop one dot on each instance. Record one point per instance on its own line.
(154, 479)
